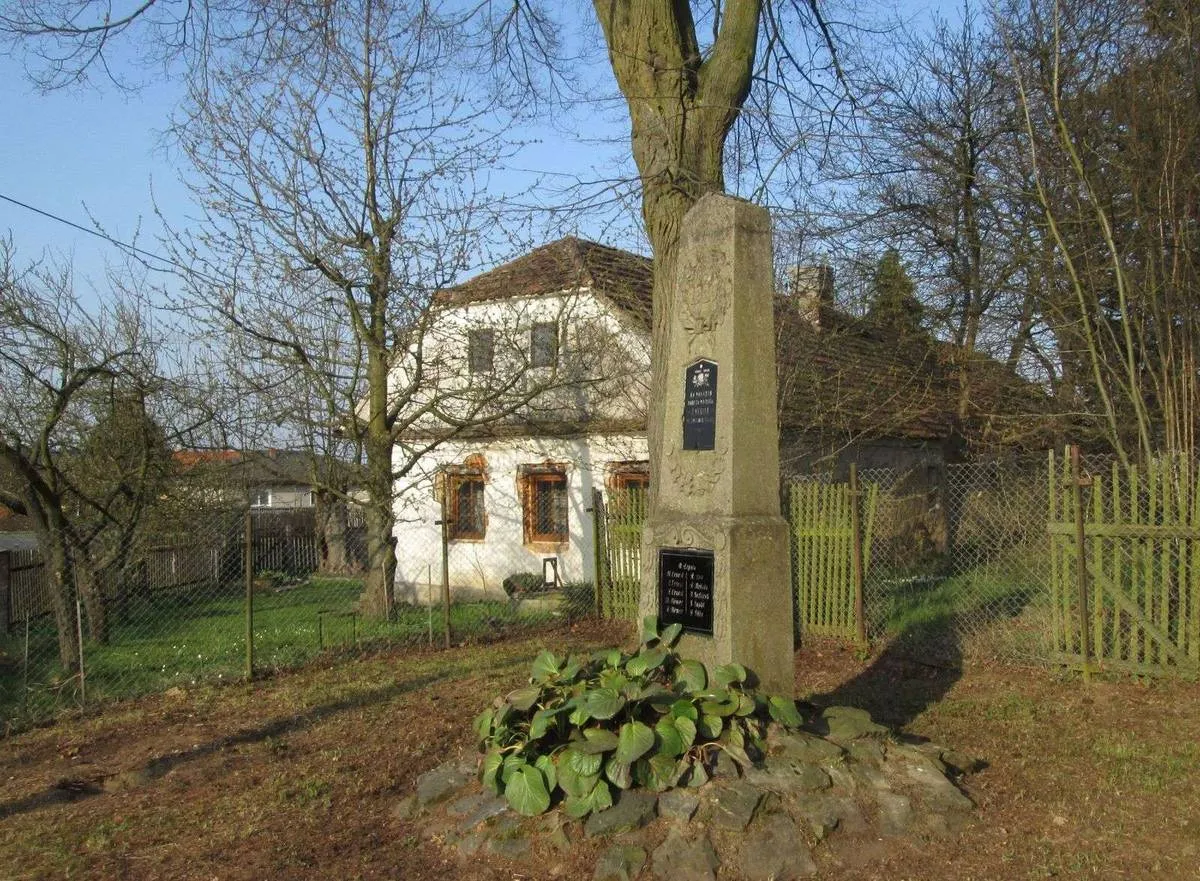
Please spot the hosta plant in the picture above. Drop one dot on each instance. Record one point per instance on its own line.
(584, 726)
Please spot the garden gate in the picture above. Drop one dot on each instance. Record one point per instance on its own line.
(1125, 565)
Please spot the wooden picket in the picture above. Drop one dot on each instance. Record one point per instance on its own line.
(823, 521)
(624, 515)
(1125, 566)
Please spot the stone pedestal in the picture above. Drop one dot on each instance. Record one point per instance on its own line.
(717, 495)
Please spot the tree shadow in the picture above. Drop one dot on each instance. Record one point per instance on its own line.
(921, 664)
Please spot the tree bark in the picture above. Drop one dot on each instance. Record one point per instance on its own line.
(681, 108)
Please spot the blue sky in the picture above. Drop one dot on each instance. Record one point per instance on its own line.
(100, 152)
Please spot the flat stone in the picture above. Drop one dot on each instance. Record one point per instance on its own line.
(867, 752)
(481, 809)
(677, 804)
(511, 848)
(735, 804)
(405, 808)
(678, 858)
(846, 724)
(620, 863)
(633, 809)
(789, 774)
(442, 782)
(869, 776)
(928, 774)
(775, 851)
(469, 844)
(895, 814)
(804, 747)
(724, 766)
(825, 813)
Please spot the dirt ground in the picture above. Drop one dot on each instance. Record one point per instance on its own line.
(297, 776)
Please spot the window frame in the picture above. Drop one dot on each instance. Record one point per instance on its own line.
(533, 479)
(547, 354)
(481, 341)
(453, 482)
(258, 492)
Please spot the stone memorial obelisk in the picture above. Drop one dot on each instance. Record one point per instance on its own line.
(715, 553)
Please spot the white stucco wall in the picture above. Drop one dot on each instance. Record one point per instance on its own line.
(477, 568)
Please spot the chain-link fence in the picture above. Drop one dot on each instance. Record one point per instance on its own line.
(233, 592)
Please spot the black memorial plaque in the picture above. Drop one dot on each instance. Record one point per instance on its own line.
(685, 588)
(700, 406)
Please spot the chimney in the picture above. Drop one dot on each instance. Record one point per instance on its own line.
(811, 289)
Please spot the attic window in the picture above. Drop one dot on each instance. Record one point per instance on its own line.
(543, 345)
(481, 345)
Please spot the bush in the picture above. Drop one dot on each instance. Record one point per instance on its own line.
(522, 583)
(620, 720)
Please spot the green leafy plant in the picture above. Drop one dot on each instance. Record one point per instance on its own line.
(583, 727)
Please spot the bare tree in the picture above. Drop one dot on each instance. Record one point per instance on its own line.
(76, 433)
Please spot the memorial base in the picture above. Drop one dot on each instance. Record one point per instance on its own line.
(751, 592)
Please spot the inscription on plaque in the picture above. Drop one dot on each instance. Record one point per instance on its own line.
(685, 588)
(700, 406)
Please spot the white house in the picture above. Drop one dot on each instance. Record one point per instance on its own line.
(545, 363)
(550, 355)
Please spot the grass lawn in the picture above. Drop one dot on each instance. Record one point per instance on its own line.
(298, 776)
(181, 639)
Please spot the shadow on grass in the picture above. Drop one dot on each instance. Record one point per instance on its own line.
(923, 658)
(72, 790)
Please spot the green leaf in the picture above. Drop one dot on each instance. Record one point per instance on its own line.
(620, 773)
(738, 755)
(526, 792)
(545, 667)
(584, 764)
(670, 742)
(570, 781)
(699, 775)
(579, 715)
(613, 678)
(720, 704)
(597, 740)
(483, 723)
(546, 765)
(710, 727)
(687, 731)
(665, 772)
(512, 764)
(684, 709)
(671, 633)
(634, 741)
(489, 769)
(727, 674)
(692, 676)
(649, 628)
(524, 698)
(746, 705)
(784, 712)
(604, 703)
(571, 671)
(657, 694)
(601, 797)
(613, 658)
(541, 723)
(577, 807)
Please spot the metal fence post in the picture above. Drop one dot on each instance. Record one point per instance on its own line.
(856, 559)
(248, 573)
(445, 566)
(1077, 484)
(598, 549)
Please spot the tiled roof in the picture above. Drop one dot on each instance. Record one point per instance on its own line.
(847, 377)
(565, 265)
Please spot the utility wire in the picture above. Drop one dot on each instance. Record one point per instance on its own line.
(125, 246)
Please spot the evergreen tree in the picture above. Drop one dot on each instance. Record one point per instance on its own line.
(894, 304)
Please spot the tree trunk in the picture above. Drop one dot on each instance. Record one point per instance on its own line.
(331, 530)
(379, 597)
(93, 595)
(681, 107)
(62, 598)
